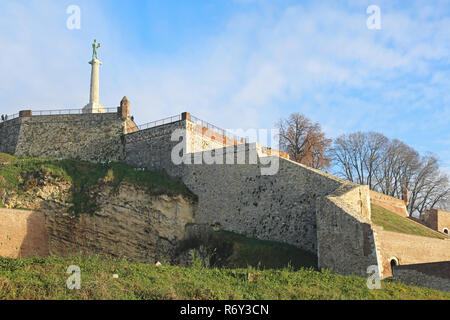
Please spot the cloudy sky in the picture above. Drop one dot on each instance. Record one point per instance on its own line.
(239, 63)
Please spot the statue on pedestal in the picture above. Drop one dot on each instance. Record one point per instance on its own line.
(95, 47)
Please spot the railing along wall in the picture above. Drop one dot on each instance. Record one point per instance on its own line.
(29, 113)
(165, 121)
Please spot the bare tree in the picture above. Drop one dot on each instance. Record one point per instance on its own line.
(397, 168)
(430, 187)
(304, 141)
(359, 155)
(388, 166)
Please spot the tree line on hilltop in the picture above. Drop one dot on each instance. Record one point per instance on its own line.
(368, 158)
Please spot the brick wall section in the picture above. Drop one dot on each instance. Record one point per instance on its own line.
(22, 234)
(390, 203)
(408, 249)
(429, 219)
(91, 137)
(436, 219)
(443, 220)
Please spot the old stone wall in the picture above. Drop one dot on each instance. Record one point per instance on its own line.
(284, 207)
(280, 207)
(429, 219)
(200, 138)
(437, 219)
(22, 234)
(444, 221)
(408, 249)
(9, 135)
(90, 137)
(430, 275)
(389, 203)
(346, 241)
(151, 148)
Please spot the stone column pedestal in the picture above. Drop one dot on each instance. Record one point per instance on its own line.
(94, 106)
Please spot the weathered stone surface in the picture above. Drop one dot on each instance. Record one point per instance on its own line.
(280, 207)
(22, 234)
(346, 243)
(91, 137)
(129, 224)
(420, 279)
(408, 249)
(9, 135)
(151, 148)
(437, 219)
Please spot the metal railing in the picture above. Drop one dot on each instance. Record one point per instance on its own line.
(10, 117)
(66, 111)
(53, 112)
(215, 128)
(149, 125)
(159, 122)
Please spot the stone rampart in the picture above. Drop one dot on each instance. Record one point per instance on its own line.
(406, 249)
(9, 135)
(239, 198)
(389, 203)
(431, 275)
(90, 137)
(345, 237)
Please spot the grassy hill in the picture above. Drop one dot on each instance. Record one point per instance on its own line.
(25, 174)
(41, 278)
(393, 222)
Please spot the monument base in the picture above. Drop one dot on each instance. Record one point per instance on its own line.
(94, 108)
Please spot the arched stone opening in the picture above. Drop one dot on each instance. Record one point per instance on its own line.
(394, 263)
(446, 231)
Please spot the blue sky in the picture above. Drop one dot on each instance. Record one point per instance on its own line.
(240, 63)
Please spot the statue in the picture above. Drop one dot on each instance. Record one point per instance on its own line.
(95, 46)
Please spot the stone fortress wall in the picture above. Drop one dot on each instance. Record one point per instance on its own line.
(431, 275)
(308, 208)
(89, 136)
(390, 203)
(407, 249)
(438, 220)
(9, 135)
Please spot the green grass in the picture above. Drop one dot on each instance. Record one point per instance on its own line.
(236, 251)
(393, 222)
(23, 174)
(45, 278)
